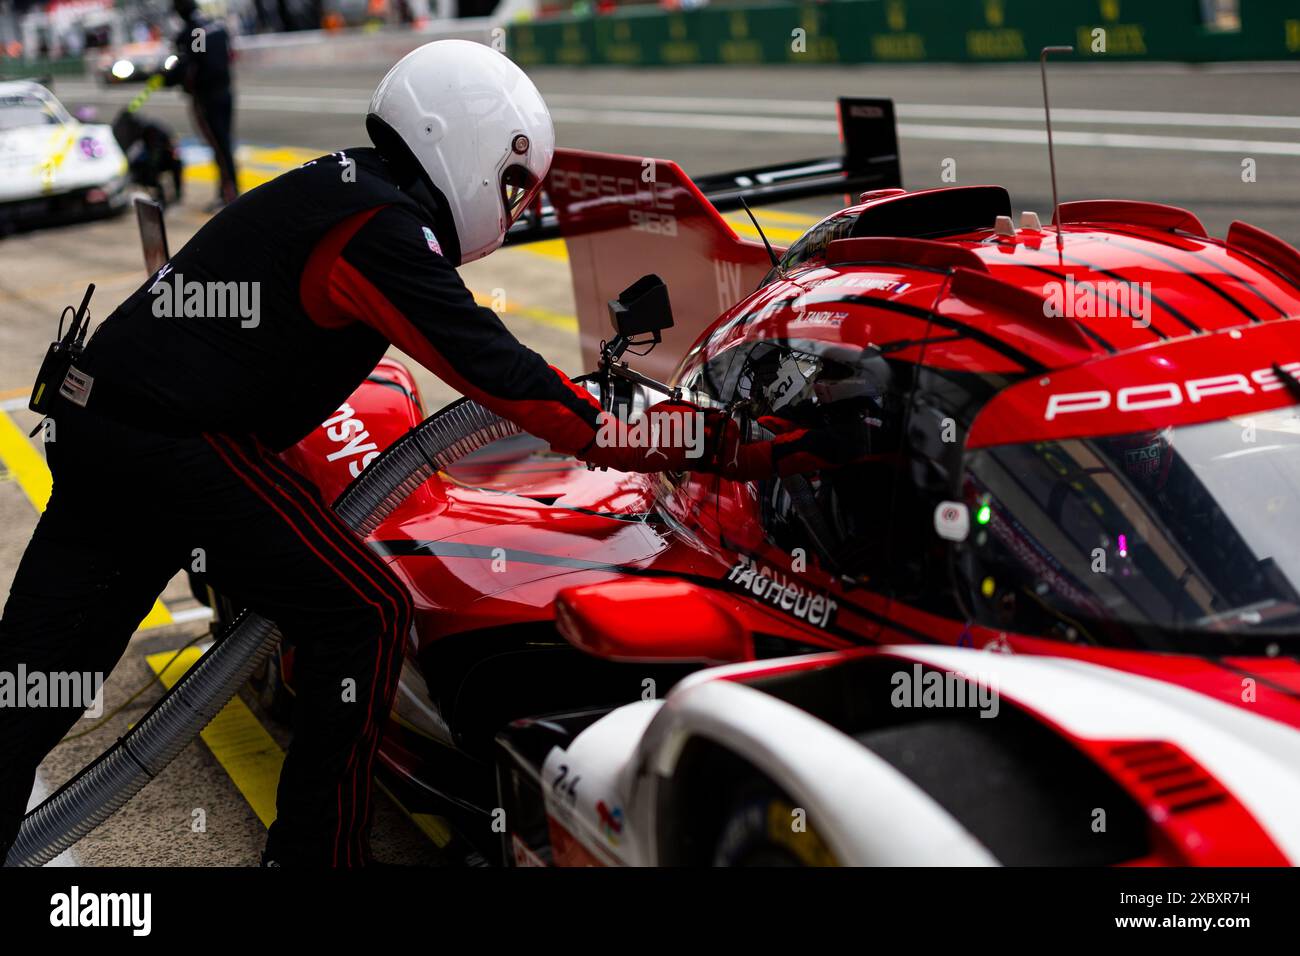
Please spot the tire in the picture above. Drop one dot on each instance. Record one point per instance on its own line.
(1020, 790)
(762, 828)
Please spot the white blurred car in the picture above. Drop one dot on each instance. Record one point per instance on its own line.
(134, 62)
(54, 168)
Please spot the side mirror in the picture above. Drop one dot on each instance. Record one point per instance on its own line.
(642, 309)
(643, 621)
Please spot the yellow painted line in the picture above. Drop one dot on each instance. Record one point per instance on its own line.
(158, 616)
(23, 462)
(252, 758)
(778, 215)
(236, 738)
(28, 468)
(207, 173)
(434, 827)
(283, 156)
(548, 248)
(557, 320)
(746, 228)
(257, 164)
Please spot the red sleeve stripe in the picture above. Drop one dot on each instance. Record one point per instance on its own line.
(553, 421)
(314, 287)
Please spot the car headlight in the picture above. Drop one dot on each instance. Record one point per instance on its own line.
(123, 69)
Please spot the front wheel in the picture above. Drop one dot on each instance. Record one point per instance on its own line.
(763, 828)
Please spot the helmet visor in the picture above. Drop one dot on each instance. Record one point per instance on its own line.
(519, 187)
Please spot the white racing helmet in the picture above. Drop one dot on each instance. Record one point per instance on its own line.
(478, 131)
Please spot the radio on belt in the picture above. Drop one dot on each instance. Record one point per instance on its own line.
(58, 360)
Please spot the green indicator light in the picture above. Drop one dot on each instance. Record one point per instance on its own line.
(984, 515)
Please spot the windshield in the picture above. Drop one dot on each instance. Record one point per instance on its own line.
(1149, 539)
(17, 112)
(812, 244)
(831, 502)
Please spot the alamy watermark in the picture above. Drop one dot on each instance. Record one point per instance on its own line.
(1098, 300)
(944, 690)
(656, 429)
(77, 690)
(74, 909)
(175, 298)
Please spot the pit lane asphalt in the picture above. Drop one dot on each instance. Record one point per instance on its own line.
(1164, 132)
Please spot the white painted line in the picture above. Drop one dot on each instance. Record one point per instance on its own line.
(1193, 144)
(351, 101)
(713, 121)
(943, 111)
(1068, 115)
(188, 614)
(763, 124)
(304, 104)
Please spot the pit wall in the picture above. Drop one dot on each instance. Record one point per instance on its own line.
(907, 31)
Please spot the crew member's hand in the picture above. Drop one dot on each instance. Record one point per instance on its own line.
(675, 436)
(794, 450)
(739, 460)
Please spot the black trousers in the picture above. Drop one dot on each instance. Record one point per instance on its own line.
(129, 509)
(214, 117)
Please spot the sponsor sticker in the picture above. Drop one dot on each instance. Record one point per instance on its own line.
(432, 240)
(952, 520)
(772, 587)
(611, 821)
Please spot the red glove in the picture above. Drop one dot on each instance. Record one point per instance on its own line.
(741, 461)
(671, 436)
(794, 450)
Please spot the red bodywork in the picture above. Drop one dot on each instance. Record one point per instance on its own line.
(640, 568)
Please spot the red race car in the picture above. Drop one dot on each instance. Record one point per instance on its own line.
(1034, 599)
(1084, 454)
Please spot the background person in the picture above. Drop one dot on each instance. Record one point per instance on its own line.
(173, 446)
(202, 69)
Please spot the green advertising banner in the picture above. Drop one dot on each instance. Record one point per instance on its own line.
(903, 31)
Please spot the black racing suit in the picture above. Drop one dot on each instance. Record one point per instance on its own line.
(203, 69)
(173, 456)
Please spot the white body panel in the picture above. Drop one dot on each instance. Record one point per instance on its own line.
(867, 812)
(1254, 757)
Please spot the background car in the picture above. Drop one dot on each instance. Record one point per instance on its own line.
(134, 62)
(54, 168)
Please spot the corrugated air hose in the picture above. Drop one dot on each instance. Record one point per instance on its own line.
(118, 774)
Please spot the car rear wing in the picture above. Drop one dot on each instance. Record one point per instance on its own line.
(868, 160)
(622, 217)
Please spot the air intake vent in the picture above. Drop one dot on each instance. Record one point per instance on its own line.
(1162, 774)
